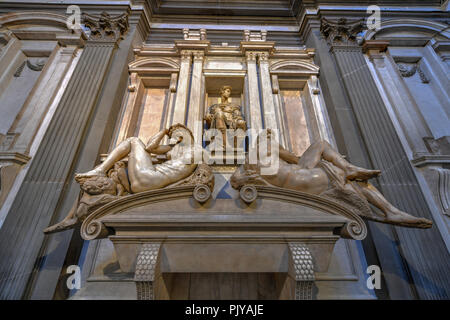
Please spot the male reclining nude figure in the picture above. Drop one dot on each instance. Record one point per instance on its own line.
(311, 174)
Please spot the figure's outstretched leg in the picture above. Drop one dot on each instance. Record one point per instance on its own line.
(121, 151)
(392, 214)
(69, 221)
(323, 150)
(125, 148)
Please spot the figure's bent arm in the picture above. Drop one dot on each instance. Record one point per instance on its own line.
(154, 141)
(162, 149)
(288, 156)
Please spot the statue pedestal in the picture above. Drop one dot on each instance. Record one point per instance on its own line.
(290, 234)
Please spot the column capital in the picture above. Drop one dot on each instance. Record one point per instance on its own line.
(251, 55)
(341, 32)
(198, 55)
(106, 28)
(263, 56)
(186, 55)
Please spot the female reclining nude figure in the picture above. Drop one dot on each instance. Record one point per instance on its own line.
(98, 189)
(143, 174)
(311, 174)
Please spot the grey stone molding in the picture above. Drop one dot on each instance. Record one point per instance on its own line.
(95, 226)
(431, 160)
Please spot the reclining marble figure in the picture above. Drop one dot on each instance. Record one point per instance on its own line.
(109, 180)
(323, 171)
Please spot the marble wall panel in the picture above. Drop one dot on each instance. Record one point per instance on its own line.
(296, 120)
(152, 111)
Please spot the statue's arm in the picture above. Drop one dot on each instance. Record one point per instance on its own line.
(153, 143)
(237, 112)
(288, 156)
(210, 113)
(162, 149)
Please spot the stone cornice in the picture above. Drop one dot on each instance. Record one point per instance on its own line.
(267, 46)
(431, 160)
(375, 45)
(202, 45)
(15, 157)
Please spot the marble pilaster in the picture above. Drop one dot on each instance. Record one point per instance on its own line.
(270, 120)
(180, 109)
(195, 113)
(255, 116)
(21, 233)
(398, 183)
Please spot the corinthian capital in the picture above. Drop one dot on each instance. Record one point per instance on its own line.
(186, 55)
(105, 27)
(251, 55)
(263, 56)
(341, 32)
(198, 55)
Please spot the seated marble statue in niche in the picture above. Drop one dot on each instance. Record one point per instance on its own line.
(109, 180)
(322, 171)
(225, 115)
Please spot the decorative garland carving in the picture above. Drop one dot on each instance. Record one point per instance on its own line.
(409, 69)
(422, 75)
(19, 70)
(38, 66)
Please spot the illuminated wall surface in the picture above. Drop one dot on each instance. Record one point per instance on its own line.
(352, 86)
